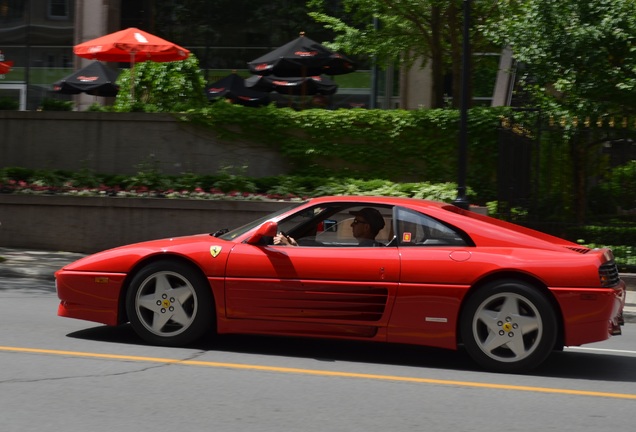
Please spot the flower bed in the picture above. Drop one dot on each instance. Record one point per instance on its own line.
(38, 188)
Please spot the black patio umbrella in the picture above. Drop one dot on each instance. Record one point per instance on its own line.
(232, 87)
(301, 57)
(296, 86)
(95, 79)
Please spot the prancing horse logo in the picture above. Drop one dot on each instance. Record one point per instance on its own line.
(215, 251)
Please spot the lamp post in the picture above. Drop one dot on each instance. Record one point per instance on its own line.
(461, 200)
(373, 102)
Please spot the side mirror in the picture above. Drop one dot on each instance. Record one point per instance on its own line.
(268, 229)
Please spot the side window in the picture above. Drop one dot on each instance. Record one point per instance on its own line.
(341, 225)
(417, 229)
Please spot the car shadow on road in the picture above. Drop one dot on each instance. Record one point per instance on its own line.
(318, 349)
(567, 364)
(589, 366)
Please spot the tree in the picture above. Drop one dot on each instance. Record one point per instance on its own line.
(429, 31)
(580, 55)
(579, 60)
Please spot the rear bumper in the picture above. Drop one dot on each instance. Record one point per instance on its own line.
(617, 319)
(591, 315)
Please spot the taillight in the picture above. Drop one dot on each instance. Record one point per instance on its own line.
(608, 273)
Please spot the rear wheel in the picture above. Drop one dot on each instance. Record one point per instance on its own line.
(508, 326)
(169, 303)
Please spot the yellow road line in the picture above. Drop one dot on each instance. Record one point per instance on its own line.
(319, 372)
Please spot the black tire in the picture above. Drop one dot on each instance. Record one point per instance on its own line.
(170, 303)
(508, 326)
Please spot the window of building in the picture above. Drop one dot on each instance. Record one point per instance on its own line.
(58, 9)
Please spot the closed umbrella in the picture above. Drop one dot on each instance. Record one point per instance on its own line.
(296, 86)
(95, 79)
(232, 87)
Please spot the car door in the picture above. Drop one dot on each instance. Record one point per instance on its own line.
(329, 281)
(433, 280)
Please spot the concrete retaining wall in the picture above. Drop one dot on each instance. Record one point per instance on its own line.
(117, 143)
(87, 225)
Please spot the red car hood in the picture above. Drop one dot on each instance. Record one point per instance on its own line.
(122, 259)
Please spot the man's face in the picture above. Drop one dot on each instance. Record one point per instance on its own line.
(361, 228)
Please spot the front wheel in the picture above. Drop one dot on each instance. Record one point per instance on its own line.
(169, 303)
(508, 326)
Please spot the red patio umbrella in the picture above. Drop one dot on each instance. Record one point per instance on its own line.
(131, 45)
(5, 67)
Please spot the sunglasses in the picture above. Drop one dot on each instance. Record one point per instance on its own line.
(358, 221)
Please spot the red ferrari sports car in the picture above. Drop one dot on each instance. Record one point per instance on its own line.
(367, 268)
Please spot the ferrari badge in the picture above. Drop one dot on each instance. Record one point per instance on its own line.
(215, 251)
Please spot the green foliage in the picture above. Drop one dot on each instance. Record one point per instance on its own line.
(624, 256)
(410, 32)
(149, 176)
(7, 103)
(48, 178)
(227, 180)
(85, 178)
(97, 107)
(574, 171)
(50, 104)
(618, 189)
(618, 234)
(578, 54)
(16, 173)
(396, 145)
(162, 87)
(233, 179)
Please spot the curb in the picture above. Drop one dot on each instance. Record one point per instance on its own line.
(33, 273)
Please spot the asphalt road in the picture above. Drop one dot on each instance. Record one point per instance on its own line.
(67, 375)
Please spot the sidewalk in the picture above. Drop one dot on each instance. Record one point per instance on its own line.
(34, 264)
(43, 265)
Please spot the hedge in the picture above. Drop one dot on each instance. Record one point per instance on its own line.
(397, 145)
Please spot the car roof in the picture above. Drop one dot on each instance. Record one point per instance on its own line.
(483, 230)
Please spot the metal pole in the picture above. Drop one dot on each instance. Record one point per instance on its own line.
(462, 200)
(27, 64)
(373, 102)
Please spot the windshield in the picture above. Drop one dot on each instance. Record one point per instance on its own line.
(231, 235)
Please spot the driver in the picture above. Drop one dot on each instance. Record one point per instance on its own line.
(366, 225)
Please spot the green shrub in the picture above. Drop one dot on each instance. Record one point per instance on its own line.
(9, 104)
(97, 107)
(396, 145)
(17, 173)
(176, 86)
(617, 235)
(617, 190)
(50, 104)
